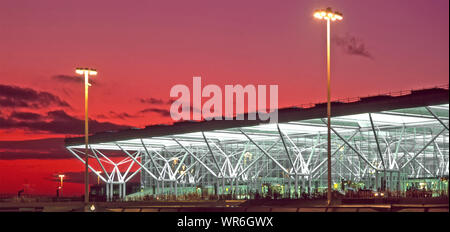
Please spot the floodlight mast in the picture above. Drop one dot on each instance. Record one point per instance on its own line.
(61, 177)
(86, 72)
(329, 16)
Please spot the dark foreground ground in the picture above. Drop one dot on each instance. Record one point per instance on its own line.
(349, 205)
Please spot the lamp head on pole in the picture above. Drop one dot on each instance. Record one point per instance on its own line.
(90, 71)
(61, 177)
(328, 14)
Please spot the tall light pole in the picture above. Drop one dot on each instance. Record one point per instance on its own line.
(86, 72)
(329, 16)
(61, 177)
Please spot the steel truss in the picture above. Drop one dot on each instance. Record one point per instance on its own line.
(381, 150)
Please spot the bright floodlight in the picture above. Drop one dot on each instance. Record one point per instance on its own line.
(328, 14)
(91, 72)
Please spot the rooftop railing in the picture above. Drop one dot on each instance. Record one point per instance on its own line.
(356, 99)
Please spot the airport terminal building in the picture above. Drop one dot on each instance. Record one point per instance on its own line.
(391, 142)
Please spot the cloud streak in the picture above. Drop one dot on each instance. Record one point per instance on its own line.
(113, 114)
(25, 116)
(42, 149)
(161, 112)
(58, 122)
(352, 45)
(19, 97)
(155, 101)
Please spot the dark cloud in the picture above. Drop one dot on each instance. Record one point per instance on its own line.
(113, 114)
(166, 113)
(155, 101)
(64, 123)
(60, 115)
(45, 149)
(72, 79)
(6, 123)
(102, 116)
(25, 116)
(14, 96)
(59, 122)
(352, 45)
(161, 112)
(12, 103)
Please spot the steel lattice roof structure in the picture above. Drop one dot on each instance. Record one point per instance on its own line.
(380, 141)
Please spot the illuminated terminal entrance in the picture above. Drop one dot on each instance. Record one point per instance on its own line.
(386, 143)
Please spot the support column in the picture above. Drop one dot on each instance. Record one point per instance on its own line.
(176, 191)
(223, 186)
(120, 191)
(296, 186)
(309, 184)
(124, 190)
(376, 180)
(216, 190)
(157, 188)
(184, 188)
(236, 186)
(107, 190)
(231, 186)
(302, 185)
(390, 181)
(162, 187)
(111, 191)
(289, 188)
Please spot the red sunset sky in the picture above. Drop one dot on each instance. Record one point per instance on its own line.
(143, 48)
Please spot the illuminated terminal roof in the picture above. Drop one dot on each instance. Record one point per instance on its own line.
(387, 111)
